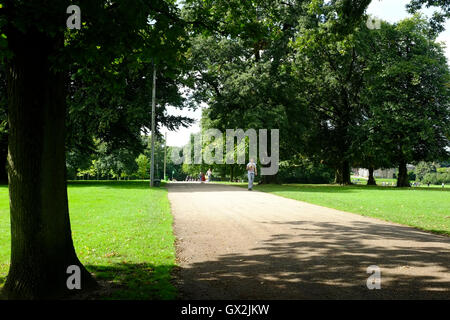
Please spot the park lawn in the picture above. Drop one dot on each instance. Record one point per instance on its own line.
(122, 232)
(423, 208)
(426, 209)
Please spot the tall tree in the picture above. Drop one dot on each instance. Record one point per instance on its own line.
(409, 96)
(41, 242)
(240, 69)
(3, 124)
(330, 67)
(40, 52)
(246, 67)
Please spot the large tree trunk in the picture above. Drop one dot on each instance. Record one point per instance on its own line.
(342, 174)
(402, 179)
(41, 241)
(231, 173)
(271, 179)
(371, 181)
(3, 156)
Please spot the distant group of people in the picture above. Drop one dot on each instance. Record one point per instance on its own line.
(252, 171)
(417, 184)
(207, 177)
(201, 177)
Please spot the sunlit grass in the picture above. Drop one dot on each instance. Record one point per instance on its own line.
(122, 233)
(423, 208)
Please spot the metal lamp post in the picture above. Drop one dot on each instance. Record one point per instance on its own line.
(152, 163)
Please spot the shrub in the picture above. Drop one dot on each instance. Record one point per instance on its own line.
(304, 171)
(437, 178)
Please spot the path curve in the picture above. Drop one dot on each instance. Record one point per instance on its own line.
(239, 244)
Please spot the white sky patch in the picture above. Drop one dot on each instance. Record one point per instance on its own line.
(180, 137)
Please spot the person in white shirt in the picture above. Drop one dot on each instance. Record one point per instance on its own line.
(252, 172)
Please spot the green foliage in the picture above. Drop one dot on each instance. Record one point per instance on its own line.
(423, 168)
(412, 176)
(103, 162)
(439, 16)
(111, 78)
(109, 63)
(340, 93)
(240, 70)
(436, 178)
(143, 167)
(331, 68)
(304, 171)
(408, 93)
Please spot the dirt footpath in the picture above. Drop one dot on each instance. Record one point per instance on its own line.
(239, 244)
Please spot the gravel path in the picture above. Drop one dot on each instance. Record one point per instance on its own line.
(239, 244)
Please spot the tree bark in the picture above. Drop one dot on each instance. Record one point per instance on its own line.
(41, 240)
(231, 173)
(342, 174)
(272, 179)
(402, 179)
(3, 156)
(371, 181)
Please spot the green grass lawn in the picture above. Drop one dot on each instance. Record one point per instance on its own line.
(423, 208)
(122, 232)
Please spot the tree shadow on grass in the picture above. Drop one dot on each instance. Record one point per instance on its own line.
(132, 281)
(126, 281)
(121, 184)
(326, 261)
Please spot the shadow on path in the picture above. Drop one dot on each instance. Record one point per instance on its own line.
(330, 263)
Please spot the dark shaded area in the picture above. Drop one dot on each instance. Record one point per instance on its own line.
(126, 281)
(331, 263)
(131, 281)
(3, 157)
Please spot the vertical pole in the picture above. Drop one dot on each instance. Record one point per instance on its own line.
(165, 146)
(152, 164)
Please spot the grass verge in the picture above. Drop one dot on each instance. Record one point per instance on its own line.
(422, 208)
(122, 231)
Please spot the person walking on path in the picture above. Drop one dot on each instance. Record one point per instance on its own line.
(252, 172)
(209, 174)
